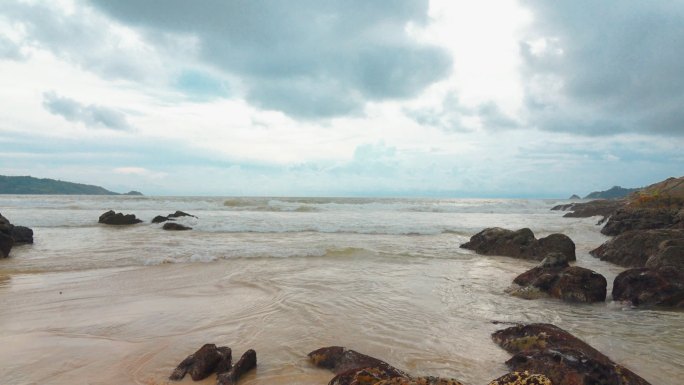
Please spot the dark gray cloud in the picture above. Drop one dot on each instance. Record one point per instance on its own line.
(609, 67)
(308, 58)
(93, 116)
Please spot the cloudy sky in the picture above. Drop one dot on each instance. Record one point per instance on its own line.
(489, 98)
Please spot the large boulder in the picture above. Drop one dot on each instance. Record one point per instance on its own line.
(519, 244)
(247, 362)
(663, 287)
(205, 361)
(112, 218)
(555, 278)
(560, 356)
(635, 248)
(6, 244)
(11, 235)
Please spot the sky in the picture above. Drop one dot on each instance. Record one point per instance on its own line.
(489, 98)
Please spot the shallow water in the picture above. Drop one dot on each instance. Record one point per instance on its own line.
(89, 303)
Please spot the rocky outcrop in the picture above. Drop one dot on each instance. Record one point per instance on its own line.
(601, 207)
(175, 227)
(560, 356)
(21, 235)
(554, 277)
(159, 219)
(635, 248)
(118, 219)
(663, 286)
(669, 253)
(627, 219)
(212, 359)
(519, 244)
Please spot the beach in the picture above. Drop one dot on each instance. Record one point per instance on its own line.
(96, 304)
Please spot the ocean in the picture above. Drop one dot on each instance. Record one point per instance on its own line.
(96, 304)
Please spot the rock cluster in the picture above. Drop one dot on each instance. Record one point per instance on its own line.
(211, 359)
(11, 235)
(556, 278)
(520, 244)
(177, 214)
(560, 356)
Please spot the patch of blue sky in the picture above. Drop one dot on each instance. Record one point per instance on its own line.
(201, 85)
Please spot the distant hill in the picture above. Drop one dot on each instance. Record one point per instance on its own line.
(612, 193)
(31, 185)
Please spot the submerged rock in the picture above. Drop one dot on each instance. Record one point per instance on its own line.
(175, 226)
(519, 244)
(112, 218)
(663, 286)
(635, 248)
(563, 358)
(179, 214)
(247, 362)
(555, 278)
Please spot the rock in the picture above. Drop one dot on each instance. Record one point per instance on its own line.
(560, 356)
(570, 367)
(635, 248)
(175, 226)
(112, 218)
(519, 244)
(650, 287)
(133, 192)
(557, 279)
(6, 243)
(627, 219)
(353, 367)
(574, 197)
(179, 214)
(522, 378)
(247, 362)
(21, 235)
(202, 363)
(159, 219)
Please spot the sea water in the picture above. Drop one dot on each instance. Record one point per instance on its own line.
(97, 304)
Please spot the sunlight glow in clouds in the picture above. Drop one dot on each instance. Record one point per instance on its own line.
(490, 98)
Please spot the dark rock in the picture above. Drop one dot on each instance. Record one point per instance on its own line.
(247, 362)
(522, 378)
(635, 248)
(650, 287)
(560, 356)
(519, 244)
(627, 219)
(179, 214)
(367, 376)
(6, 243)
(554, 277)
(225, 364)
(21, 235)
(569, 367)
(175, 226)
(419, 381)
(159, 219)
(201, 364)
(112, 218)
(555, 260)
(339, 359)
